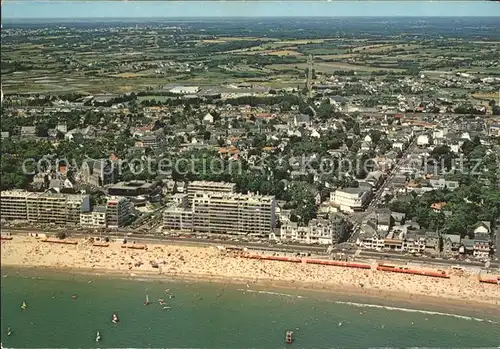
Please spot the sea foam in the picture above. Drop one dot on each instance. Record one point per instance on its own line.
(367, 305)
(271, 293)
(409, 310)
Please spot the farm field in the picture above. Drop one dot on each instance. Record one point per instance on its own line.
(90, 61)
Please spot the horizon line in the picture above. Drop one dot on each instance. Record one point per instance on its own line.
(239, 17)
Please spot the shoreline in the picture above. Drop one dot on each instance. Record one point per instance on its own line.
(337, 293)
(213, 265)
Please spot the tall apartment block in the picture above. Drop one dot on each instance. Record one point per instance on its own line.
(53, 208)
(117, 212)
(206, 186)
(13, 205)
(233, 213)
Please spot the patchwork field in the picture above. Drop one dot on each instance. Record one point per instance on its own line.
(101, 63)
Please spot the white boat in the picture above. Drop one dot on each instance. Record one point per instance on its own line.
(98, 337)
(146, 301)
(24, 306)
(115, 319)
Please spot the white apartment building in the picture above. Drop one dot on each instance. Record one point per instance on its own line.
(118, 210)
(54, 208)
(350, 199)
(207, 186)
(423, 140)
(319, 231)
(234, 213)
(176, 217)
(13, 205)
(95, 219)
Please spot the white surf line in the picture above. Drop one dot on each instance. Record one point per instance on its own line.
(271, 293)
(408, 310)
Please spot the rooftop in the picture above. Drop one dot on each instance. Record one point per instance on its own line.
(211, 184)
(133, 185)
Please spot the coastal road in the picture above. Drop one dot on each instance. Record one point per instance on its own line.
(321, 251)
(313, 249)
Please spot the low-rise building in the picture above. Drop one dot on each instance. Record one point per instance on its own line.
(350, 199)
(451, 243)
(133, 188)
(414, 242)
(432, 242)
(482, 248)
(152, 141)
(185, 90)
(441, 183)
(370, 239)
(95, 219)
(323, 231)
(28, 131)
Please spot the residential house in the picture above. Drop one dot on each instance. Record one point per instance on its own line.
(369, 238)
(432, 242)
(375, 178)
(438, 206)
(441, 183)
(415, 242)
(398, 145)
(365, 146)
(208, 119)
(451, 243)
(148, 141)
(423, 140)
(28, 131)
(301, 119)
(483, 229)
(482, 247)
(323, 231)
(466, 247)
(399, 182)
(398, 217)
(63, 128)
(383, 220)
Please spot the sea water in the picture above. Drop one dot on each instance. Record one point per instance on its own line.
(208, 315)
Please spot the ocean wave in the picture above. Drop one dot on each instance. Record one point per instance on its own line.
(271, 293)
(409, 310)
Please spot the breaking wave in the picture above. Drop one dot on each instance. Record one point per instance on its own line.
(409, 310)
(271, 293)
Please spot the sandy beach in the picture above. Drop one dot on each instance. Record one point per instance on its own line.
(210, 263)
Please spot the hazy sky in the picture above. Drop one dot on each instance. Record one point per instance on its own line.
(335, 8)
